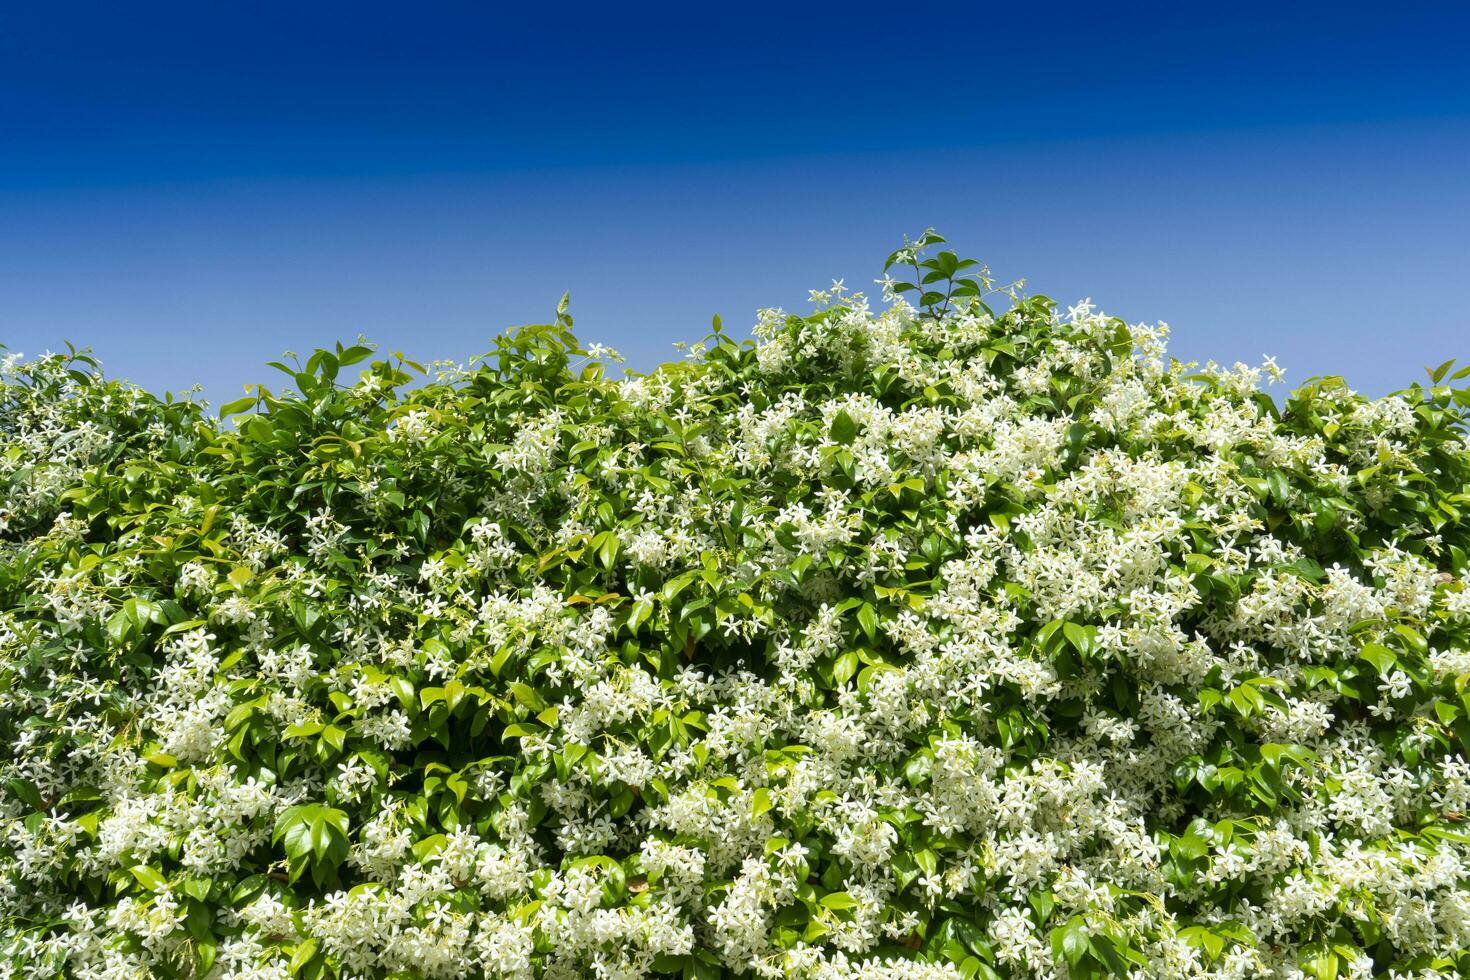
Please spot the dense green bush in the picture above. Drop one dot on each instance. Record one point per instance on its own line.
(930, 642)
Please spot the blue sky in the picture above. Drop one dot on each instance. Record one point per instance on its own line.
(193, 188)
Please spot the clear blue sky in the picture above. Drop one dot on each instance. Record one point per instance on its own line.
(193, 188)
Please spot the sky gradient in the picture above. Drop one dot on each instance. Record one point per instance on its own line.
(193, 189)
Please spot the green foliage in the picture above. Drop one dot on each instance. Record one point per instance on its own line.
(941, 642)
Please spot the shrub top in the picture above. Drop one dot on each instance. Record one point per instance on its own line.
(929, 642)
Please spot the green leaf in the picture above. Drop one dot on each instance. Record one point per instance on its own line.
(1071, 941)
(238, 405)
(25, 791)
(844, 429)
(844, 667)
(607, 552)
(197, 888)
(1082, 638)
(839, 900)
(1381, 657)
(148, 877)
(761, 802)
(304, 953)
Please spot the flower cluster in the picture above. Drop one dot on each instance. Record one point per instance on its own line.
(921, 642)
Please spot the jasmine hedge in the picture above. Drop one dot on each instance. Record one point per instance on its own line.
(929, 642)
